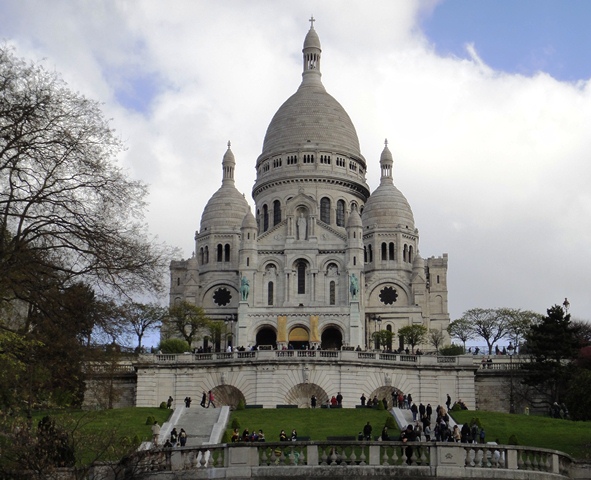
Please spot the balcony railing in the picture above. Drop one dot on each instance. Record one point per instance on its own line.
(310, 355)
(429, 460)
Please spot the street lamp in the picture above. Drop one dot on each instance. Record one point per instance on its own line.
(510, 351)
(377, 320)
(230, 319)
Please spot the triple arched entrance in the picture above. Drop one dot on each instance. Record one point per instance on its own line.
(299, 338)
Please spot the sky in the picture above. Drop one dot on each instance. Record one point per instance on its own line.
(486, 106)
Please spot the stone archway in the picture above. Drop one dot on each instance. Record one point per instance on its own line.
(228, 395)
(332, 339)
(266, 336)
(384, 392)
(301, 395)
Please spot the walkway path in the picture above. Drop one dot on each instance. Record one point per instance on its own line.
(203, 425)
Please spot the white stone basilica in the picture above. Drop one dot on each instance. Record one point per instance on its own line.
(323, 262)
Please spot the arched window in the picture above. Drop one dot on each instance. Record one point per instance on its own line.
(365, 254)
(220, 252)
(333, 293)
(301, 277)
(370, 253)
(265, 218)
(341, 213)
(391, 250)
(389, 329)
(206, 255)
(276, 212)
(384, 251)
(325, 210)
(248, 261)
(410, 254)
(201, 257)
(227, 252)
(405, 253)
(270, 293)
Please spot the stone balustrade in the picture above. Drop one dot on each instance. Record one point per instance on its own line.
(309, 355)
(356, 459)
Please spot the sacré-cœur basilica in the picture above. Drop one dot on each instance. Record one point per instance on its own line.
(309, 276)
(322, 261)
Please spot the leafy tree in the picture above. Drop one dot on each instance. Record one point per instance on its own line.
(383, 338)
(413, 335)
(67, 212)
(520, 323)
(462, 330)
(578, 395)
(215, 328)
(436, 338)
(186, 320)
(583, 330)
(174, 345)
(452, 350)
(552, 345)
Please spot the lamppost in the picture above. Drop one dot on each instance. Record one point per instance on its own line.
(510, 351)
(376, 320)
(230, 319)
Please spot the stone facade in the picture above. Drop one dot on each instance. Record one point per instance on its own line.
(321, 261)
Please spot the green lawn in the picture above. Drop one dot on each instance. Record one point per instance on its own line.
(316, 423)
(113, 431)
(567, 436)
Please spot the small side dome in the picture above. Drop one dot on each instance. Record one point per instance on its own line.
(249, 220)
(225, 210)
(354, 219)
(387, 207)
(227, 207)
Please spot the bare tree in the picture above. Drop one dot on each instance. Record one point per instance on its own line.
(142, 318)
(436, 338)
(67, 212)
(489, 324)
(461, 329)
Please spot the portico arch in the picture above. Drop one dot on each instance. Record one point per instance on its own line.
(267, 336)
(299, 337)
(332, 339)
(301, 395)
(227, 395)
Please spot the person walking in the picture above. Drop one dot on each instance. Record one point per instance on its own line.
(183, 437)
(169, 402)
(203, 399)
(155, 433)
(211, 399)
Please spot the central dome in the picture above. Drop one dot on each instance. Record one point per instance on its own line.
(311, 118)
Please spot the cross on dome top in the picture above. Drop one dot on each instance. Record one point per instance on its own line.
(312, 20)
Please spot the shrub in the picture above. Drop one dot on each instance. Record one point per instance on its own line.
(174, 345)
(391, 423)
(150, 420)
(226, 437)
(380, 406)
(476, 421)
(241, 405)
(235, 423)
(452, 350)
(163, 405)
(513, 440)
(456, 407)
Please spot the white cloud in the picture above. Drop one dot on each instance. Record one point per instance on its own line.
(493, 164)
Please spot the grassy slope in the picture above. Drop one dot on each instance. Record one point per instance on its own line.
(570, 437)
(314, 423)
